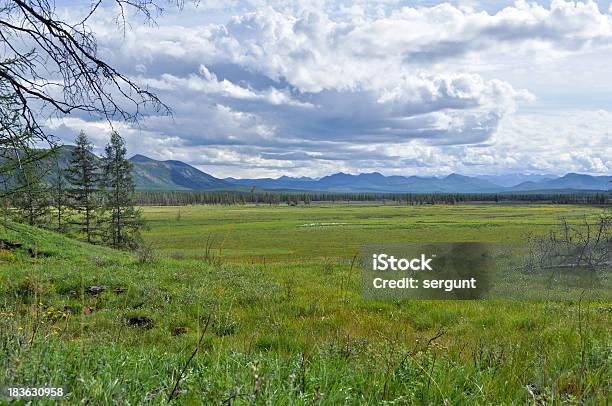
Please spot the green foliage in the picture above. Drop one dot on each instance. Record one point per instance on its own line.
(59, 197)
(151, 196)
(123, 224)
(73, 189)
(30, 196)
(83, 176)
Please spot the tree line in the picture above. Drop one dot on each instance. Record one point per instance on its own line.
(178, 198)
(86, 197)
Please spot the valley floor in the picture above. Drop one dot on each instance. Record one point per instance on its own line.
(269, 297)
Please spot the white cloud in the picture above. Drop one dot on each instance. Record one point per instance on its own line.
(207, 83)
(301, 88)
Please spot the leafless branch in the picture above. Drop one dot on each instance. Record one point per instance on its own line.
(585, 245)
(52, 68)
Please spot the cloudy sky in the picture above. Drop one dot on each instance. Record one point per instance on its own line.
(269, 88)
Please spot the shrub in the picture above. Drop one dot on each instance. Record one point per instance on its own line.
(145, 254)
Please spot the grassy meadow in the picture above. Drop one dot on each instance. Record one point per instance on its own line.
(268, 297)
(284, 233)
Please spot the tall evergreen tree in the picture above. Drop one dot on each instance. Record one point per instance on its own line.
(31, 195)
(58, 190)
(124, 222)
(83, 177)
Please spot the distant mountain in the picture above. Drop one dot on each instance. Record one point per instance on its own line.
(59, 158)
(284, 182)
(374, 182)
(453, 183)
(513, 179)
(571, 181)
(150, 174)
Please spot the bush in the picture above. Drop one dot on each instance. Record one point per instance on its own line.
(145, 254)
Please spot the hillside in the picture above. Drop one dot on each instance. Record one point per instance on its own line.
(150, 174)
(51, 246)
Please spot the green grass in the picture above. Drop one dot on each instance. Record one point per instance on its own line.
(287, 322)
(282, 233)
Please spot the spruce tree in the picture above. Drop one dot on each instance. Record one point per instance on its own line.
(30, 195)
(124, 221)
(83, 177)
(58, 189)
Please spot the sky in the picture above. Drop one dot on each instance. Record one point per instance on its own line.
(309, 88)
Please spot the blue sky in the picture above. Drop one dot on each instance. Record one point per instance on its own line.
(270, 88)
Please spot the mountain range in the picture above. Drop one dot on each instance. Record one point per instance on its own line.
(154, 175)
(453, 183)
(150, 174)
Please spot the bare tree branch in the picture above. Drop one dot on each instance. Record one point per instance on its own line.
(51, 68)
(586, 246)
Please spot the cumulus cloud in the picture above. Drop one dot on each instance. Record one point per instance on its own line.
(300, 88)
(206, 82)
